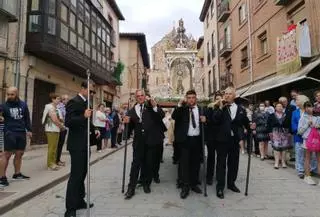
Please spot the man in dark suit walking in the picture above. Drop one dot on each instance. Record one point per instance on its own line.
(188, 116)
(230, 118)
(145, 118)
(77, 115)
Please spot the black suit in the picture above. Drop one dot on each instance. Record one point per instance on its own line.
(190, 147)
(211, 142)
(77, 147)
(148, 136)
(227, 137)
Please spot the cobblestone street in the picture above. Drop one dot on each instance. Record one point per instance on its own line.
(272, 193)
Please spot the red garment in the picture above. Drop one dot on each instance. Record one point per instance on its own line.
(292, 27)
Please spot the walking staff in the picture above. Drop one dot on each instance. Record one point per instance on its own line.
(78, 114)
(249, 163)
(126, 132)
(204, 177)
(88, 145)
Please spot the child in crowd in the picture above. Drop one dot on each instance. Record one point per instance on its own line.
(309, 128)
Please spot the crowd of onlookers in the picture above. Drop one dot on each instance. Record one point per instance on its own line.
(292, 127)
(15, 118)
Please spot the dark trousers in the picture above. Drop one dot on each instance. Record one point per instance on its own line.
(227, 155)
(62, 138)
(211, 160)
(114, 132)
(157, 160)
(176, 151)
(119, 138)
(189, 162)
(75, 188)
(143, 159)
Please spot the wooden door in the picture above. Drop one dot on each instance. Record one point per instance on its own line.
(41, 93)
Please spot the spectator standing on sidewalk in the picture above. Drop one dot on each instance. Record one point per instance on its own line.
(298, 141)
(99, 121)
(62, 137)
(309, 125)
(269, 107)
(115, 127)
(279, 131)
(260, 119)
(52, 119)
(17, 127)
(294, 93)
(121, 128)
(316, 109)
(109, 125)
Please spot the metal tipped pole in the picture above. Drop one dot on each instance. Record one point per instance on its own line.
(249, 164)
(126, 129)
(88, 144)
(204, 159)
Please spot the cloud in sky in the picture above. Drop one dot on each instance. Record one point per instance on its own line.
(156, 17)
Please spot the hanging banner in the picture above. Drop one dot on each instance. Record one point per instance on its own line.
(288, 59)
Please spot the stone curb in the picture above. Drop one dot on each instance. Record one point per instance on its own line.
(18, 201)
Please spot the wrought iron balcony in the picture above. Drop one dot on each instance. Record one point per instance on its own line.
(225, 46)
(226, 79)
(8, 8)
(282, 2)
(223, 11)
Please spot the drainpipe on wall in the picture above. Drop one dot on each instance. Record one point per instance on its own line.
(218, 46)
(26, 86)
(250, 43)
(4, 83)
(17, 65)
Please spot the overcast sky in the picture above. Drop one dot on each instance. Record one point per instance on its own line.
(156, 17)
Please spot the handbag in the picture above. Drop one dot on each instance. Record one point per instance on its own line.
(313, 140)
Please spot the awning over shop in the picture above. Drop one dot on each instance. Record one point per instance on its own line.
(242, 90)
(282, 79)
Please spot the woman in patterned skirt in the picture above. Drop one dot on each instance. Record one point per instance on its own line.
(279, 132)
(260, 118)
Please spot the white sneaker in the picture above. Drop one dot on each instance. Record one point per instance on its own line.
(309, 180)
(242, 152)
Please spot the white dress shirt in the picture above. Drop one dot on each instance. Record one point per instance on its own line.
(233, 111)
(137, 108)
(194, 131)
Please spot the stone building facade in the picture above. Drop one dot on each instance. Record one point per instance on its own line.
(176, 67)
(267, 47)
(51, 46)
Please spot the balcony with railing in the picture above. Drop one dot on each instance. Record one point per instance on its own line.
(223, 11)
(282, 2)
(9, 9)
(225, 48)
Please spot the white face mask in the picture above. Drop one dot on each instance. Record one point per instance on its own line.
(262, 108)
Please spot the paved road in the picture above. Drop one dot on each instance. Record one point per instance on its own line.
(273, 193)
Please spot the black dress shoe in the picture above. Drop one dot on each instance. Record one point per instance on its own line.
(234, 188)
(196, 189)
(146, 189)
(220, 194)
(130, 193)
(184, 193)
(70, 213)
(209, 182)
(83, 205)
(179, 184)
(156, 180)
(161, 161)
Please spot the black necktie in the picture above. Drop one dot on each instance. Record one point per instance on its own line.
(193, 121)
(141, 110)
(229, 110)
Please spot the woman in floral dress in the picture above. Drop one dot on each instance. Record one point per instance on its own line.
(279, 132)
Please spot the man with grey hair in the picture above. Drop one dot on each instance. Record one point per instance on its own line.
(230, 118)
